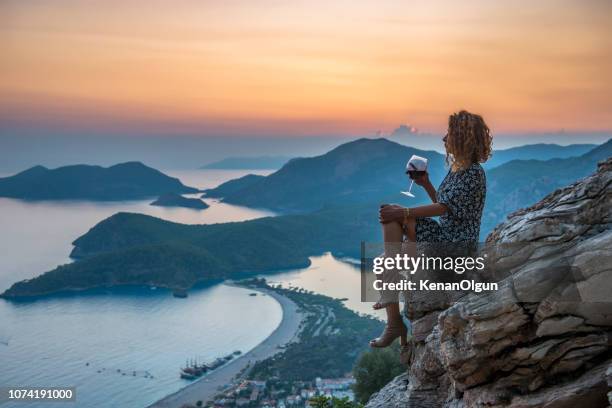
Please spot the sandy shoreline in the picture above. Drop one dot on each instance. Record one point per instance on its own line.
(210, 385)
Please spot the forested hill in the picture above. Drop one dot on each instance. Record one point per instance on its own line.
(136, 249)
(539, 151)
(520, 183)
(372, 171)
(125, 181)
(361, 171)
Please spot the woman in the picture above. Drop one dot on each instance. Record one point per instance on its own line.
(458, 202)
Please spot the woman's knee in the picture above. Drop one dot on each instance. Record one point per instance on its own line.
(392, 228)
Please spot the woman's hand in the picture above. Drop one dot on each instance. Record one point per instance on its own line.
(422, 180)
(390, 213)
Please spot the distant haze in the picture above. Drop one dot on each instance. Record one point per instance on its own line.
(52, 150)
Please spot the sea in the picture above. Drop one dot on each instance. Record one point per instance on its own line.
(124, 347)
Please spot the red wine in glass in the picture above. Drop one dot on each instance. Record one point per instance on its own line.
(415, 168)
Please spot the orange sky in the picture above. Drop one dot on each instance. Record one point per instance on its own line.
(304, 67)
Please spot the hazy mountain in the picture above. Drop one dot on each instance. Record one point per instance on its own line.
(177, 200)
(249, 163)
(519, 183)
(364, 170)
(123, 181)
(233, 186)
(138, 249)
(540, 151)
(371, 171)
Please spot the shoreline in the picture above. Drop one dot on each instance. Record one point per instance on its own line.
(206, 387)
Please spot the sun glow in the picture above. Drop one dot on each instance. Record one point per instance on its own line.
(299, 68)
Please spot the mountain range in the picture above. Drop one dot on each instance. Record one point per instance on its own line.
(249, 163)
(125, 181)
(331, 202)
(372, 171)
(361, 171)
(538, 151)
(519, 183)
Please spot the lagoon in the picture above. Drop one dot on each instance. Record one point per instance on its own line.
(125, 346)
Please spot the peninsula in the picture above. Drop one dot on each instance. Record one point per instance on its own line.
(137, 249)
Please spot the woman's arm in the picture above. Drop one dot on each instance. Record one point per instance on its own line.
(429, 210)
(424, 182)
(392, 212)
(431, 191)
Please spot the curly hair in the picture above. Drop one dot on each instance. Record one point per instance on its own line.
(467, 141)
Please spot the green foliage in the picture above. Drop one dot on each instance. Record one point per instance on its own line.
(136, 249)
(328, 347)
(375, 369)
(326, 402)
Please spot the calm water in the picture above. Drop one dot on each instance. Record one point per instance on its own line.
(36, 236)
(141, 331)
(138, 332)
(328, 276)
(91, 340)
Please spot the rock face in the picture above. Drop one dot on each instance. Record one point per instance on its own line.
(542, 339)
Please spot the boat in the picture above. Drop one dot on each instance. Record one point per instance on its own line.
(193, 370)
(186, 376)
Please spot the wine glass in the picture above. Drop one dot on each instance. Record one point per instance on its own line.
(416, 167)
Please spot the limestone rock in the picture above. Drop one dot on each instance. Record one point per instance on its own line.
(393, 395)
(543, 339)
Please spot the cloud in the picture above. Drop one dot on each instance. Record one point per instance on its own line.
(404, 130)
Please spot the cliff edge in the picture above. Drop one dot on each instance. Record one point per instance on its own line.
(543, 339)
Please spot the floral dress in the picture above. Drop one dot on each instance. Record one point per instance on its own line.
(463, 193)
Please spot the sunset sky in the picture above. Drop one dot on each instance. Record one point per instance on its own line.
(295, 68)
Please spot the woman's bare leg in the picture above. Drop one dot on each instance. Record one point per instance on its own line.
(393, 236)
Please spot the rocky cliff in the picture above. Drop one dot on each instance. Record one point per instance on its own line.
(542, 339)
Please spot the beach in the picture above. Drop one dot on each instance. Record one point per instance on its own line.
(206, 387)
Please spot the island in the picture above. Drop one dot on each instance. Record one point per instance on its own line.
(124, 181)
(177, 200)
